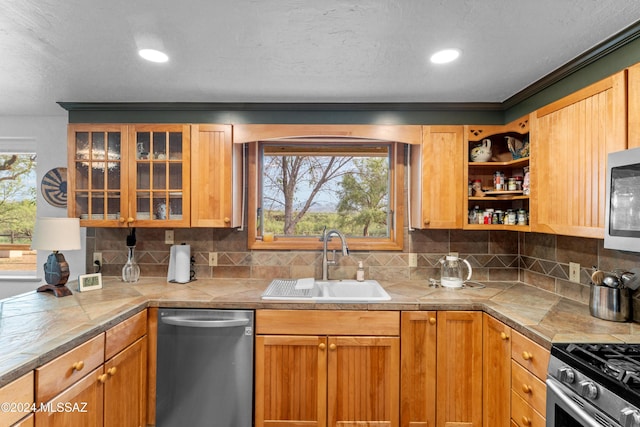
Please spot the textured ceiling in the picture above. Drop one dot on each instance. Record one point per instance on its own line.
(289, 50)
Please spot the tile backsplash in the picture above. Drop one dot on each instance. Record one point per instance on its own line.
(541, 260)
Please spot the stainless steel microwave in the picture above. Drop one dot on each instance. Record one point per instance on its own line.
(622, 215)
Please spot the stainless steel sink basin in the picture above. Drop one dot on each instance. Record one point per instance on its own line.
(327, 291)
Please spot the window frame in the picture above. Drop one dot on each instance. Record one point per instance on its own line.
(396, 200)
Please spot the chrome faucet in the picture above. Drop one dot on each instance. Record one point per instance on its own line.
(326, 236)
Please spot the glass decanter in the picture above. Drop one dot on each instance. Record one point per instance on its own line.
(131, 270)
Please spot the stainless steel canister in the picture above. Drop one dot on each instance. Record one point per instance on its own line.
(610, 303)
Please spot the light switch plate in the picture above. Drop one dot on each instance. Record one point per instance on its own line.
(168, 237)
(413, 260)
(213, 259)
(574, 272)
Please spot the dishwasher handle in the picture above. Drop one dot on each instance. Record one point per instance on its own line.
(191, 322)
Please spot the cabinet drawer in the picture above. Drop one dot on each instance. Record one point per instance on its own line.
(319, 322)
(529, 387)
(20, 393)
(523, 414)
(532, 356)
(68, 368)
(124, 334)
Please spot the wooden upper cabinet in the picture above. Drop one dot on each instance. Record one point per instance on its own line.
(633, 93)
(436, 176)
(570, 142)
(129, 175)
(216, 177)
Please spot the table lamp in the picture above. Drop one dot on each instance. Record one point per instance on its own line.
(56, 234)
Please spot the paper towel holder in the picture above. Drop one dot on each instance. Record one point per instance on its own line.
(181, 264)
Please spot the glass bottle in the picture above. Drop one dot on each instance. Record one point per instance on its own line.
(131, 270)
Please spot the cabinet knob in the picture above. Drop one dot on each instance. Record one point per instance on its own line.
(526, 388)
(112, 371)
(322, 346)
(77, 366)
(526, 355)
(526, 421)
(227, 220)
(432, 320)
(332, 346)
(427, 221)
(130, 220)
(122, 220)
(102, 378)
(504, 336)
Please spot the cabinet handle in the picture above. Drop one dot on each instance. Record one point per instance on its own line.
(102, 378)
(432, 320)
(112, 371)
(227, 220)
(504, 336)
(322, 346)
(526, 355)
(526, 421)
(77, 366)
(526, 388)
(332, 346)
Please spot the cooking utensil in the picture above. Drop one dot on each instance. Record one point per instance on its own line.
(596, 277)
(611, 281)
(631, 279)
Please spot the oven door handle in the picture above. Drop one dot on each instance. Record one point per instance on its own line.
(576, 411)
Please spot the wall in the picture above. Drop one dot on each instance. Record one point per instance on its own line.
(50, 133)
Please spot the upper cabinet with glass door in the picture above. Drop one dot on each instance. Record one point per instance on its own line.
(129, 175)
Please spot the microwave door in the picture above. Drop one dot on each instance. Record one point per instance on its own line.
(624, 215)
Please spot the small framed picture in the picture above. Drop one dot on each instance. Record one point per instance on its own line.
(89, 282)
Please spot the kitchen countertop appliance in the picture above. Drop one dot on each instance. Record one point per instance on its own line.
(594, 385)
(205, 368)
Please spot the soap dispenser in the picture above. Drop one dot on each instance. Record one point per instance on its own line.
(360, 272)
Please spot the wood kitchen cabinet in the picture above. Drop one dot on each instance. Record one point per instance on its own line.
(570, 140)
(19, 394)
(528, 389)
(482, 173)
(82, 390)
(129, 175)
(216, 177)
(436, 173)
(453, 361)
(327, 368)
(633, 116)
(496, 373)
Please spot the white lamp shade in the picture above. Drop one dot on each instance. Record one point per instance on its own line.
(56, 234)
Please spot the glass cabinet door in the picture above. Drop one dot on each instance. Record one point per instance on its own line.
(160, 163)
(96, 173)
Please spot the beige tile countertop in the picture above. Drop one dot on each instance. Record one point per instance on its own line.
(37, 327)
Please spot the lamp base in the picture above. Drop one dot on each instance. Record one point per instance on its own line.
(58, 290)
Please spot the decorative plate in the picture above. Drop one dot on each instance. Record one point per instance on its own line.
(54, 187)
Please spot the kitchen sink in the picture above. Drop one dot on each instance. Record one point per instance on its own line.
(327, 291)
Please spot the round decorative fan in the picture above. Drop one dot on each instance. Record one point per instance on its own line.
(54, 187)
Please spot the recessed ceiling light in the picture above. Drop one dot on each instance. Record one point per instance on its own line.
(153, 55)
(445, 56)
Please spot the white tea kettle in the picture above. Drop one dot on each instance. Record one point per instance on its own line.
(451, 271)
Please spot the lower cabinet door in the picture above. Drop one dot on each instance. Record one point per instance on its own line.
(125, 389)
(291, 381)
(364, 381)
(80, 405)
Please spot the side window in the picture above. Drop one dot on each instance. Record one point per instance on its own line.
(17, 212)
(301, 188)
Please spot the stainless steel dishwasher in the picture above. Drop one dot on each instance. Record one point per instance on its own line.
(205, 368)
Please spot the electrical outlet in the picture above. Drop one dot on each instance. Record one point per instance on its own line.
(213, 259)
(168, 237)
(413, 260)
(574, 272)
(97, 256)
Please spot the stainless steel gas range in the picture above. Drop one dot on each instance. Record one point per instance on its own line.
(594, 385)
